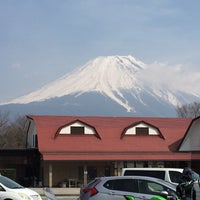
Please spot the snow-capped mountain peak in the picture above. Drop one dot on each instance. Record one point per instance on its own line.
(107, 75)
(125, 81)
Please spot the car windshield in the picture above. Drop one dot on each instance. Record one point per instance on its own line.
(9, 183)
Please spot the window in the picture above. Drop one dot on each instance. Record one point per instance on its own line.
(77, 130)
(1, 188)
(80, 172)
(35, 141)
(107, 171)
(129, 185)
(151, 173)
(152, 188)
(149, 187)
(175, 176)
(91, 173)
(142, 131)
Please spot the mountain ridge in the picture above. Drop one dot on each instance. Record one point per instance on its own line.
(124, 80)
(100, 80)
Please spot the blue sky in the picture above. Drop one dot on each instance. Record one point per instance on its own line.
(40, 40)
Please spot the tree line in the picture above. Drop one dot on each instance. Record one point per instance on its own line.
(191, 110)
(13, 133)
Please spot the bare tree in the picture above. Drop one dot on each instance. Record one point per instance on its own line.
(4, 119)
(191, 110)
(14, 134)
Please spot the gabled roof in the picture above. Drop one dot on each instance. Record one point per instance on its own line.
(191, 140)
(110, 146)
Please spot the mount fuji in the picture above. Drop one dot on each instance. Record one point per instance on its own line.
(113, 86)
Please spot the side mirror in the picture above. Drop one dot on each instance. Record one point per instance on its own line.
(164, 194)
(169, 196)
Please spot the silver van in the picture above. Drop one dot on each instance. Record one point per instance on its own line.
(171, 175)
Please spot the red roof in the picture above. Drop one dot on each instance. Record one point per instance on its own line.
(110, 145)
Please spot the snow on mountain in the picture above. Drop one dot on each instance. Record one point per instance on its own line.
(107, 75)
(124, 80)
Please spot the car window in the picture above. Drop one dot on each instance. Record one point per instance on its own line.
(93, 182)
(128, 185)
(151, 173)
(1, 188)
(9, 183)
(175, 176)
(151, 187)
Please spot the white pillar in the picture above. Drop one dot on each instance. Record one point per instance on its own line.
(85, 172)
(50, 175)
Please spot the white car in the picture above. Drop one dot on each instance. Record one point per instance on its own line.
(11, 190)
(126, 188)
(171, 175)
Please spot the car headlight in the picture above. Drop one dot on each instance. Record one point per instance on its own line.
(24, 196)
(36, 197)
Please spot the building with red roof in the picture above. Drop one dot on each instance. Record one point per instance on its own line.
(75, 149)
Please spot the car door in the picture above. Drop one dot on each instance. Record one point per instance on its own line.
(121, 189)
(148, 189)
(6, 194)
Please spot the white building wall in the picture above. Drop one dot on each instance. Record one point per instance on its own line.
(31, 135)
(192, 139)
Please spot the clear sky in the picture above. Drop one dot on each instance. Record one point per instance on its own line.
(40, 40)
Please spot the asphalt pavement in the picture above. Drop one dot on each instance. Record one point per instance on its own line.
(63, 197)
(60, 193)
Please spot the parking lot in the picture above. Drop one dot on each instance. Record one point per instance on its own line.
(72, 193)
(60, 193)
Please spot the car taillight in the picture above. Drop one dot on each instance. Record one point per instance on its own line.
(92, 191)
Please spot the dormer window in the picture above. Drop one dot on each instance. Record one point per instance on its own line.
(142, 130)
(79, 130)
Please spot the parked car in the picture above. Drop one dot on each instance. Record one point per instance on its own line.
(11, 190)
(126, 188)
(171, 175)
